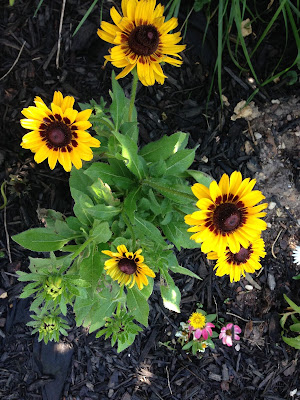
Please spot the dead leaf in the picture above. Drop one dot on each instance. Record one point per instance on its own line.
(246, 27)
(248, 112)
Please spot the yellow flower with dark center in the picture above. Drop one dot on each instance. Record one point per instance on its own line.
(228, 214)
(59, 133)
(197, 320)
(237, 264)
(142, 39)
(127, 268)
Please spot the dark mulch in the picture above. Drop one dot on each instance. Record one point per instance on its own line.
(154, 367)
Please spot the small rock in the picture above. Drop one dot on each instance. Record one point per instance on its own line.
(271, 281)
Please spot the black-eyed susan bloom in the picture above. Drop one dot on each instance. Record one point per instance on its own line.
(142, 39)
(237, 264)
(59, 133)
(229, 214)
(127, 268)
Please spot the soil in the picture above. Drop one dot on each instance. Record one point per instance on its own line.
(267, 147)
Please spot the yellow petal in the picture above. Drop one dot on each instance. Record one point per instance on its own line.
(65, 160)
(52, 158)
(41, 154)
(58, 98)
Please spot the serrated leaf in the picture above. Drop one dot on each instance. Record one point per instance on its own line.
(164, 148)
(180, 161)
(138, 305)
(176, 232)
(40, 239)
(147, 229)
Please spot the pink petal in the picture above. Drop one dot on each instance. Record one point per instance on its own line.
(205, 334)
(224, 339)
(209, 325)
(229, 326)
(222, 334)
(209, 331)
(228, 340)
(223, 330)
(236, 337)
(198, 333)
(237, 329)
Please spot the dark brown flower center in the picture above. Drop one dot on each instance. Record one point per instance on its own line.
(227, 217)
(242, 256)
(144, 40)
(228, 332)
(58, 134)
(127, 266)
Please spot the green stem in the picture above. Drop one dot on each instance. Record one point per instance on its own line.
(81, 248)
(3, 195)
(133, 93)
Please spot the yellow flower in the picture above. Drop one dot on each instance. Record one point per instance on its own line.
(236, 264)
(197, 320)
(127, 268)
(142, 39)
(59, 133)
(228, 214)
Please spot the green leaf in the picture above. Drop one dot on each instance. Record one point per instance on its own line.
(129, 151)
(295, 327)
(292, 304)
(79, 181)
(130, 202)
(118, 106)
(200, 177)
(103, 212)
(138, 305)
(164, 147)
(147, 229)
(188, 345)
(40, 239)
(176, 232)
(128, 342)
(91, 267)
(100, 311)
(102, 193)
(108, 174)
(180, 161)
(171, 297)
(294, 342)
(100, 232)
(82, 203)
(130, 129)
(210, 317)
(184, 271)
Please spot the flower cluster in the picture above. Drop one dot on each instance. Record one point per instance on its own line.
(229, 224)
(196, 335)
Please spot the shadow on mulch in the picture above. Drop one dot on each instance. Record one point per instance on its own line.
(154, 367)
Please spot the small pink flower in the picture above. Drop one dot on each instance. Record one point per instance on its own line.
(226, 333)
(205, 332)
